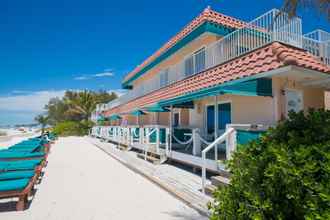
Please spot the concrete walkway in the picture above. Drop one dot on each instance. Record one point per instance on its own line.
(82, 182)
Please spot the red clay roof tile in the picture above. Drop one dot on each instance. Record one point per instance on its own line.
(206, 15)
(264, 59)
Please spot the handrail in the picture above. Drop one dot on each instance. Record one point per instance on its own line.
(217, 141)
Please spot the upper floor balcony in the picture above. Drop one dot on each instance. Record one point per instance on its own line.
(270, 27)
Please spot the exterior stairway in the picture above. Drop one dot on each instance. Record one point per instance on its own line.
(216, 181)
(150, 154)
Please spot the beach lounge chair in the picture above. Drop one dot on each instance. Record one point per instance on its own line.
(20, 165)
(13, 175)
(20, 188)
(4, 156)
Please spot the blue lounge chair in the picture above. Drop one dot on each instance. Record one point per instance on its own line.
(20, 188)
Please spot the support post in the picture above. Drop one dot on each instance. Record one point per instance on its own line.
(171, 129)
(216, 125)
(157, 139)
(196, 143)
(167, 140)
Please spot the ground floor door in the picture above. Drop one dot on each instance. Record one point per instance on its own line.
(224, 117)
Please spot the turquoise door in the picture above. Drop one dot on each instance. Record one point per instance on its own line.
(210, 119)
(224, 117)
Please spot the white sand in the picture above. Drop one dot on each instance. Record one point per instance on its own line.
(81, 182)
(9, 140)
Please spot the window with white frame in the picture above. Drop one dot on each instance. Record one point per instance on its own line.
(195, 63)
(189, 66)
(164, 78)
(200, 60)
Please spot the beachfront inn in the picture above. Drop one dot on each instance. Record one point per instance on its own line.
(219, 83)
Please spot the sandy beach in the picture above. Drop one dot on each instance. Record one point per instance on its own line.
(82, 182)
(14, 138)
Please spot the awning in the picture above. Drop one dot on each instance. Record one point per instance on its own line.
(256, 87)
(115, 117)
(155, 108)
(101, 119)
(137, 112)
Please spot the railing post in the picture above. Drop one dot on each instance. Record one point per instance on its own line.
(157, 139)
(196, 142)
(216, 125)
(141, 135)
(231, 146)
(203, 172)
(167, 140)
(171, 128)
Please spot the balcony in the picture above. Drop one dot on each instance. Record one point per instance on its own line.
(269, 27)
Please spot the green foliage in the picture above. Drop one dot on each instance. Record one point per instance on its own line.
(76, 106)
(72, 128)
(70, 115)
(284, 175)
(43, 121)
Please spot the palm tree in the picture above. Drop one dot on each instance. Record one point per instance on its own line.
(81, 104)
(43, 121)
(322, 6)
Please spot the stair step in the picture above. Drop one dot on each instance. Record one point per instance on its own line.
(123, 148)
(209, 189)
(220, 181)
(224, 173)
(149, 158)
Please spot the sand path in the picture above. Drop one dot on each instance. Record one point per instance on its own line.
(81, 182)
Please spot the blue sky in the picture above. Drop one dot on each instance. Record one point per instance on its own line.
(49, 46)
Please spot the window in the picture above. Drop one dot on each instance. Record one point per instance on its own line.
(176, 119)
(164, 78)
(200, 60)
(189, 66)
(195, 63)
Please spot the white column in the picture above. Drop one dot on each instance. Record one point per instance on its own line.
(157, 138)
(196, 143)
(216, 126)
(171, 129)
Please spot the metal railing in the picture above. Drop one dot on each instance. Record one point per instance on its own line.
(269, 27)
(127, 136)
(230, 138)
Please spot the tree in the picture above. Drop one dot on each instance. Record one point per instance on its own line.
(43, 121)
(284, 175)
(80, 104)
(75, 107)
(321, 6)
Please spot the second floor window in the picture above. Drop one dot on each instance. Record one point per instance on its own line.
(195, 63)
(200, 60)
(164, 78)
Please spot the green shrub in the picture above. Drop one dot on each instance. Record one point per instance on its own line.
(284, 175)
(71, 128)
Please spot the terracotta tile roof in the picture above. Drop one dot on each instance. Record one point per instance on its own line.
(264, 59)
(206, 15)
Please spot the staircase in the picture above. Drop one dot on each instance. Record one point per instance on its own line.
(150, 154)
(217, 181)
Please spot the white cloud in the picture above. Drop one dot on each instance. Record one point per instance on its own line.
(105, 73)
(29, 102)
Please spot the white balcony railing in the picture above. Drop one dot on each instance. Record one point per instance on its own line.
(269, 27)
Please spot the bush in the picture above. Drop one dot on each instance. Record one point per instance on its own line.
(284, 175)
(71, 128)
